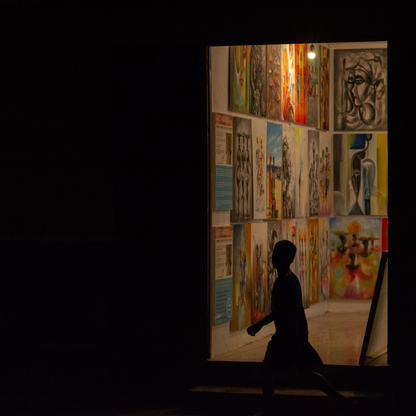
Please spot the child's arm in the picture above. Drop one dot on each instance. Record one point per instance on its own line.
(253, 329)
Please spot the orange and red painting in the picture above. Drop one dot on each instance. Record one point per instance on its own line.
(301, 90)
(289, 82)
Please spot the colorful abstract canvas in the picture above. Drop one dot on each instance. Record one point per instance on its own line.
(258, 86)
(360, 89)
(259, 168)
(324, 87)
(313, 89)
(288, 171)
(313, 172)
(259, 254)
(301, 140)
(242, 171)
(302, 259)
(274, 82)
(301, 73)
(325, 174)
(324, 259)
(313, 258)
(274, 171)
(289, 82)
(274, 234)
(241, 276)
(355, 244)
(239, 78)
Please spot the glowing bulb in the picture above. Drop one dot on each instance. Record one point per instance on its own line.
(311, 54)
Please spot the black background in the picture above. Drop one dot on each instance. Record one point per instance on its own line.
(103, 183)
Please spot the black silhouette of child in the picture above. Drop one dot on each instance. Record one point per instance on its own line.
(289, 346)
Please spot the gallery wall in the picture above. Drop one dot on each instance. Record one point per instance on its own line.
(304, 220)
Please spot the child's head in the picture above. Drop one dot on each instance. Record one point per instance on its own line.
(283, 254)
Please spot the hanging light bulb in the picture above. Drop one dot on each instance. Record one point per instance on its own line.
(311, 53)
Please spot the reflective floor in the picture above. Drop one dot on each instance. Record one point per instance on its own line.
(336, 336)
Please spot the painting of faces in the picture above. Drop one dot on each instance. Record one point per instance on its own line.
(242, 171)
(355, 244)
(360, 94)
(360, 174)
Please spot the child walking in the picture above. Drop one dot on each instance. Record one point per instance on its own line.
(289, 346)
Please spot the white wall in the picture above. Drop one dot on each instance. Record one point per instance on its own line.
(222, 339)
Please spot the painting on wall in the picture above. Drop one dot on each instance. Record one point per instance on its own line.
(259, 168)
(324, 87)
(301, 73)
(313, 89)
(339, 148)
(242, 171)
(274, 234)
(274, 171)
(324, 259)
(288, 81)
(288, 171)
(360, 89)
(274, 82)
(289, 233)
(258, 91)
(239, 78)
(325, 174)
(241, 277)
(313, 258)
(313, 173)
(302, 256)
(259, 255)
(355, 244)
(379, 198)
(301, 141)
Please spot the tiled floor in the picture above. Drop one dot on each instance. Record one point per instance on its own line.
(336, 336)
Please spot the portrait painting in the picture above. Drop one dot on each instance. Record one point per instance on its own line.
(360, 89)
(241, 277)
(274, 82)
(242, 171)
(355, 244)
(239, 79)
